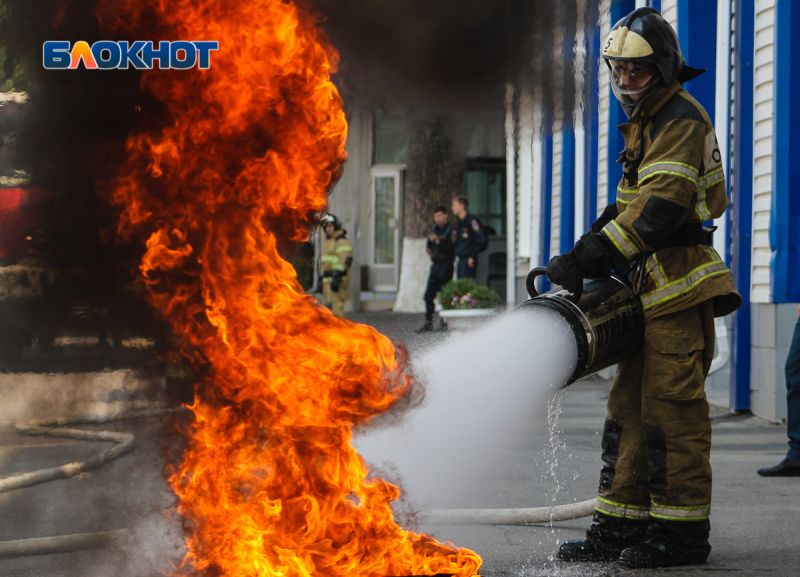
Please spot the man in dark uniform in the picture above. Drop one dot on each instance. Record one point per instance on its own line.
(469, 238)
(441, 250)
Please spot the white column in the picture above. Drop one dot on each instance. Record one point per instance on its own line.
(511, 204)
(722, 107)
(525, 188)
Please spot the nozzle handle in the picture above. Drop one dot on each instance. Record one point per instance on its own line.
(530, 281)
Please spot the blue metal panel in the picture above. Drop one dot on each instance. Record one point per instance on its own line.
(654, 4)
(697, 33)
(591, 123)
(616, 116)
(784, 228)
(741, 218)
(620, 8)
(547, 197)
(567, 221)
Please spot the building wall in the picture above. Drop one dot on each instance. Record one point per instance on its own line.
(350, 198)
(773, 325)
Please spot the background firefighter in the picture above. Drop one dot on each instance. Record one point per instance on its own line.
(335, 260)
(655, 485)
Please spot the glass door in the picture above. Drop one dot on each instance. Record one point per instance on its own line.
(385, 239)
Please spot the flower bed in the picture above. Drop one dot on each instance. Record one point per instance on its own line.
(465, 293)
(466, 303)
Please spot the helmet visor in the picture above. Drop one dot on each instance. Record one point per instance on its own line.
(633, 79)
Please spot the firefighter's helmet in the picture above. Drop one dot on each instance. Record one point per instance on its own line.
(644, 37)
(331, 219)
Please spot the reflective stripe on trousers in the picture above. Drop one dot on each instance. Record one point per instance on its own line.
(656, 511)
(621, 510)
(670, 513)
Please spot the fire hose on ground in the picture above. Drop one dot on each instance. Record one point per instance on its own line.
(123, 443)
(522, 516)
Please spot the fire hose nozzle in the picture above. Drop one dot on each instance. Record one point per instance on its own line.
(607, 319)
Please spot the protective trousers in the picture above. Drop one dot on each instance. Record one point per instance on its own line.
(335, 300)
(657, 436)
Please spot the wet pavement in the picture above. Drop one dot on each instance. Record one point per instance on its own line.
(755, 521)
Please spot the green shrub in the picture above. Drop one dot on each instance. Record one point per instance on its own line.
(465, 293)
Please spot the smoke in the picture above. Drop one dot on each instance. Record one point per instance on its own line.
(487, 394)
(419, 48)
(457, 53)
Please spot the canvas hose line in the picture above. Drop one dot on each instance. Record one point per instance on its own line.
(122, 443)
(521, 516)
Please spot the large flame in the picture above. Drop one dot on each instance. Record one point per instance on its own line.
(242, 155)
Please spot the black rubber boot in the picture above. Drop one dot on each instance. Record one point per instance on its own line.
(669, 543)
(426, 327)
(605, 540)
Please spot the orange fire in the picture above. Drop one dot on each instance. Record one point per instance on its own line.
(242, 155)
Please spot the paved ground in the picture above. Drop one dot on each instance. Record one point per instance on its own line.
(755, 520)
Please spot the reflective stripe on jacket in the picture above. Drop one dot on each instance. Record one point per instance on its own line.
(672, 176)
(335, 253)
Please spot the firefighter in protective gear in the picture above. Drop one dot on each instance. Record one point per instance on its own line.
(335, 261)
(655, 484)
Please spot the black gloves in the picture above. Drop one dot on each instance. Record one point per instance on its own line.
(591, 257)
(336, 281)
(564, 270)
(609, 213)
(595, 255)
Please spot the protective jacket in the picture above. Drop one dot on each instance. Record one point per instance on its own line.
(672, 182)
(337, 253)
(336, 257)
